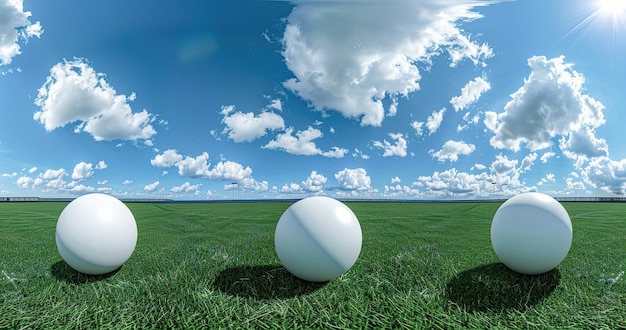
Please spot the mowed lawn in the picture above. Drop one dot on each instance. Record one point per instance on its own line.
(213, 265)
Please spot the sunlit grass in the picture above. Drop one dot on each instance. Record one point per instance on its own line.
(423, 265)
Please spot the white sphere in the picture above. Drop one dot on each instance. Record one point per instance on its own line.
(531, 233)
(318, 239)
(96, 234)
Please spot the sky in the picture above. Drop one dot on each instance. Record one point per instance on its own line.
(251, 99)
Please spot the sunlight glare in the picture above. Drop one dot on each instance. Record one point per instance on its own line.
(612, 7)
(604, 18)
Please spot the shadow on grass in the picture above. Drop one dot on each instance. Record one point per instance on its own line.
(63, 272)
(263, 282)
(494, 287)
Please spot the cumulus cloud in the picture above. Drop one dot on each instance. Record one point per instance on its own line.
(479, 167)
(246, 127)
(199, 167)
(169, 158)
(582, 144)
(194, 167)
(550, 103)
(397, 149)
(314, 183)
(82, 171)
(15, 26)
(54, 181)
(353, 179)
(348, 56)
(418, 126)
(302, 143)
(546, 156)
(470, 93)
(75, 92)
(291, 188)
(434, 121)
(606, 174)
(185, 188)
(228, 170)
(452, 149)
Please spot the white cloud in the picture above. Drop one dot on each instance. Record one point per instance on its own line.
(82, 171)
(50, 174)
(302, 143)
(479, 167)
(101, 165)
(547, 178)
(291, 188)
(353, 179)
(151, 187)
(451, 151)
(527, 162)
(503, 165)
(491, 120)
(470, 93)
(246, 127)
(550, 103)
(14, 26)
(546, 156)
(398, 149)
(606, 174)
(434, 121)
(418, 126)
(32, 170)
(359, 154)
(314, 183)
(185, 188)
(169, 158)
(127, 182)
(254, 185)
(399, 191)
(275, 104)
(198, 167)
(582, 144)
(194, 167)
(229, 171)
(347, 56)
(75, 92)
(395, 180)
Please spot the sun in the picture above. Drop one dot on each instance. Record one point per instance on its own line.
(604, 19)
(611, 7)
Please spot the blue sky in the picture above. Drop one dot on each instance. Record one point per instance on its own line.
(286, 99)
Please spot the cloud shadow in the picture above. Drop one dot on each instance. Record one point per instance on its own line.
(494, 287)
(63, 272)
(263, 282)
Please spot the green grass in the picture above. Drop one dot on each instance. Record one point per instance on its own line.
(422, 265)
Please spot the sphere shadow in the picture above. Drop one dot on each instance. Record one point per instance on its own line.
(496, 288)
(265, 282)
(63, 272)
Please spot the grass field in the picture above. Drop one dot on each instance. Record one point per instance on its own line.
(213, 265)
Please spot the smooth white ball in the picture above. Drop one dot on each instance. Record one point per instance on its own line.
(96, 234)
(318, 239)
(531, 233)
